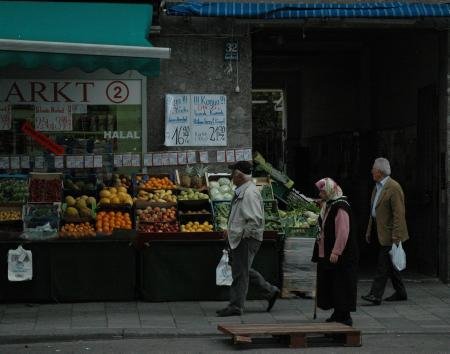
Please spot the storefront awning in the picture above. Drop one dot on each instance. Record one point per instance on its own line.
(90, 36)
(310, 10)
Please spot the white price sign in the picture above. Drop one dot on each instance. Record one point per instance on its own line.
(53, 117)
(196, 120)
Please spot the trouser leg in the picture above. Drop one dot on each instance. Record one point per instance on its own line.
(383, 271)
(264, 288)
(396, 280)
(240, 265)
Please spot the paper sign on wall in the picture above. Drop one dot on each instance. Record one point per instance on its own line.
(191, 157)
(239, 155)
(53, 117)
(135, 160)
(182, 158)
(126, 160)
(117, 160)
(220, 156)
(196, 120)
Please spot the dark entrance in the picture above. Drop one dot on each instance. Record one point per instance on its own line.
(353, 95)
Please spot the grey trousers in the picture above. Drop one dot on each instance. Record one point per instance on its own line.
(241, 267)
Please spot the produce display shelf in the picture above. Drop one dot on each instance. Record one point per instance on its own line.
(142, 238)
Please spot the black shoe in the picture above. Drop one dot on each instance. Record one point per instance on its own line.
(332, 318)
(374, 300)
(272, 299)
(229, 311)
(348, 321)
(396, 297)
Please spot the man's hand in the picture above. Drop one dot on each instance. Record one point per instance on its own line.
(334, 258)
(368, 238)
(396, 240)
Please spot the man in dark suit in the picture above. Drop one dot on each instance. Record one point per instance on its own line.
(387, 225)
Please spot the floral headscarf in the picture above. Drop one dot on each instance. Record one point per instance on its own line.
(331, 188)
(332, 192)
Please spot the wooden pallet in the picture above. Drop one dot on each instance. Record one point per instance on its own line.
(297, 334)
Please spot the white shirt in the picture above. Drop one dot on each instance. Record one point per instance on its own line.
(379, 186)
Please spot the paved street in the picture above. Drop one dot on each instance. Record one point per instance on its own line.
(426, 315)
(372, 343)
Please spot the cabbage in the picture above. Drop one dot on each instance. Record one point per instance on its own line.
(218, 196)
(227, 196)
(214, 191)
(214, 184)
(224, 180)
(225, 188)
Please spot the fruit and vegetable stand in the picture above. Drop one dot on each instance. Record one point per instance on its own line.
(142, 236)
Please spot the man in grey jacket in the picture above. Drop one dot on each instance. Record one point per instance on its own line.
(245, 234)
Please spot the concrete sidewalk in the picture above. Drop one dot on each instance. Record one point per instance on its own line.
(426, 311)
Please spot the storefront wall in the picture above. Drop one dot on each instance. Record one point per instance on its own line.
(197, 66)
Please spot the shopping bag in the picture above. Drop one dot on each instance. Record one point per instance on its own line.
(398, 256)
(20, 265)
(223, 271)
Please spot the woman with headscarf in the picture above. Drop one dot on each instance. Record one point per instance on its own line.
(336, 254)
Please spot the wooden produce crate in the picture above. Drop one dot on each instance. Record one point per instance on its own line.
(45, 187)
(13, 189)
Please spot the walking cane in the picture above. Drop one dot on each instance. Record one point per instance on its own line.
(315, 296)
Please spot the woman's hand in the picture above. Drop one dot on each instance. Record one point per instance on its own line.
(334, 258)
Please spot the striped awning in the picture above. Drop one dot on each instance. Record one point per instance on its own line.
(310, 10)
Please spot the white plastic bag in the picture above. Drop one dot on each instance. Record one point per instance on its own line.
(398, 256)
(20, 265)
(223, 271)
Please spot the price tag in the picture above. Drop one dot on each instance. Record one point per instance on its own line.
(39, 162)
(126, 160)
(88, 161)
(59, 162)
(204, 158)
(25, 162)
(79, 161)
(230, 156)
(182, 158)
(4, 163)
(191, 157)
(239, 155)
(148, 160)
(173, 158)
(248, 154)
(14, 162)
(165, 159)
(117, 160)
(98, 161)
(135, 160)
(157, 161)
(221, 156)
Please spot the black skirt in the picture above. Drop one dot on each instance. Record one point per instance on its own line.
(336, 286)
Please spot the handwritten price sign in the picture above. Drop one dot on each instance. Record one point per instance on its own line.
(196, 120)
(53, 117)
